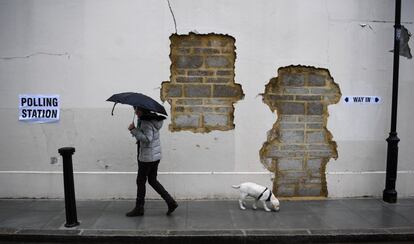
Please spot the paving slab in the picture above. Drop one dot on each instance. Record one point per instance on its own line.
(318, 221)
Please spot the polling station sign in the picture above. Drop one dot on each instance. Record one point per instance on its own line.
(39, 108)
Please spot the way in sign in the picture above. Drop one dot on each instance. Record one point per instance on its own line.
(362, 99)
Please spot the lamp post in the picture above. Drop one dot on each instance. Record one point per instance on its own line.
(390, 194)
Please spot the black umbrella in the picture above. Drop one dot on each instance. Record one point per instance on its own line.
(137, 99)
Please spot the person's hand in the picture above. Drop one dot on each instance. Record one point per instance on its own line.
(131, 126)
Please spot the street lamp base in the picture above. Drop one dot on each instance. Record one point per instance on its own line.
(389, 196)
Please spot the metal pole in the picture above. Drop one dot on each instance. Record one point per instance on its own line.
(390, 194)
(70, 202)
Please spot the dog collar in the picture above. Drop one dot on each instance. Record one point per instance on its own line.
(270, 195)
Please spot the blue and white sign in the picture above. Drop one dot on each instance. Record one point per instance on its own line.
(362, 99)
(39, 108)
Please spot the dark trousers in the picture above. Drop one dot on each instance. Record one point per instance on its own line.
(148, 170)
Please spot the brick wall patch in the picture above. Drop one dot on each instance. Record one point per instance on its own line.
(299, 146)
(202, 90)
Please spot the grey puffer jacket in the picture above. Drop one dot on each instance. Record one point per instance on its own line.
(148, 137)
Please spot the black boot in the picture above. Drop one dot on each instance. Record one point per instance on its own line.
(137, 211)
(171, 207)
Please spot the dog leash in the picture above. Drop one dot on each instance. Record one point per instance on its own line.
(261, 194)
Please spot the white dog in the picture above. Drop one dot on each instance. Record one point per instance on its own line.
(259, 193)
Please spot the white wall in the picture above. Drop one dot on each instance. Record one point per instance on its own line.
(87, 50)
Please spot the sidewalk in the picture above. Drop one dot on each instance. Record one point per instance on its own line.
(328, 221)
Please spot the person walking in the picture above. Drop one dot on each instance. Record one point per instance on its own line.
(149, 155)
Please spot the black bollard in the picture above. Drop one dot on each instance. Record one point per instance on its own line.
(70, 202)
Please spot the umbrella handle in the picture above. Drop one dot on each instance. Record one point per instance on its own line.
(112, 113)
(133, 118)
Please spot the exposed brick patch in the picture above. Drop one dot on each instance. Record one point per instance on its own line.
(202, 89)
(299, 146)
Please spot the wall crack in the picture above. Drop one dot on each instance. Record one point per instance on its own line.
(36, 54)
(172, 13)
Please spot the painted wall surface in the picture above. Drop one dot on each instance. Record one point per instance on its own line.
(87, 50)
